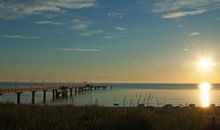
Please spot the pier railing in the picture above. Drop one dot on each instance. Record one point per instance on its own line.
(35, 88)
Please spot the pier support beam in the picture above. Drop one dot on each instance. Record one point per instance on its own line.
(33, 97)
(18, 97)
(75, 91)
(54, 94)
(44, 96)
(71, 92)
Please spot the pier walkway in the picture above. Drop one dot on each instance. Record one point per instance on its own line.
(58, 91)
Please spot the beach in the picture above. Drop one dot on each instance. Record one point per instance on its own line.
(106, 118)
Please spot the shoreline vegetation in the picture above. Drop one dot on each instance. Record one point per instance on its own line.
(25, 117)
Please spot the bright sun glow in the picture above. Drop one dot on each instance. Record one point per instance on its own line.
(204, 93)
(205, 64)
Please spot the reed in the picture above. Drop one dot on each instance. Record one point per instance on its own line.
(139, 99)
(103, 118)
(124, 101)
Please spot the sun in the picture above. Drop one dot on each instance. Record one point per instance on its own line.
(205, 64)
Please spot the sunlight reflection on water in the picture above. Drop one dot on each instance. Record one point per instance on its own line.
(205, 93)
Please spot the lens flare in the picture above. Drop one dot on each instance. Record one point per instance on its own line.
(204, 93)
(205, 64)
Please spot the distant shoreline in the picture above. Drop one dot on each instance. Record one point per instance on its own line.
(98, 82)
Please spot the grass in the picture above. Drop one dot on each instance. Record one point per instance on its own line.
(27, 117)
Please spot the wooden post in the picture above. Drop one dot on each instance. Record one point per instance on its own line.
(18, 97)
(75, 91)
(71, 92)
(56, 93)
(33, 97)
(44, 96)
(53, 95)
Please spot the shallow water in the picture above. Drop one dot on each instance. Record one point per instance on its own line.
(123, 94)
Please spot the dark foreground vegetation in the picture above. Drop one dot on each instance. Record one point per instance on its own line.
(34, 117)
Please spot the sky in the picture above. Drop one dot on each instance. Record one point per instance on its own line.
(143, 41)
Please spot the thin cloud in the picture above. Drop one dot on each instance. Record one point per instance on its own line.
(108, 37)
(169, 6)
(20, 37)
(119, 15)
(49, 22)
(194, 34)
(181, 8)
(80, 49)
(90, 32)
(85, 28)
(119, 28)
(111, 36)
(14, 9)
(80, 24)
(180, 14)
(186, 49)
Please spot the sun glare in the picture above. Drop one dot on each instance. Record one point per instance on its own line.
(204, 93)
(205, 64)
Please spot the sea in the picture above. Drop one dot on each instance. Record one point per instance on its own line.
(121, 95)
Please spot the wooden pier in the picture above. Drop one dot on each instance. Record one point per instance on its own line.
(57, 91)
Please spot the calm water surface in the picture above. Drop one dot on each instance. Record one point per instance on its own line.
(124, 95)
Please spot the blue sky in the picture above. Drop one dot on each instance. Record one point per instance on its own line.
(108, 41)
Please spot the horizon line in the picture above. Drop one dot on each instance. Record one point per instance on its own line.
(107, 82)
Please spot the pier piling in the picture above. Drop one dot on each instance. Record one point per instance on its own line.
(56, 93)
(71, 92)
(18, 97)
(33, 97)
(44, 96)
(75, 91)
(53, 95)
